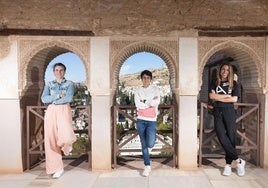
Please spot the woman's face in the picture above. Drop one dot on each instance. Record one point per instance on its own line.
(224, 72)
(146, 80)
(59, 72)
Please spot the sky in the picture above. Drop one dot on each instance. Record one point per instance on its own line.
(75, 69)
(141, 61)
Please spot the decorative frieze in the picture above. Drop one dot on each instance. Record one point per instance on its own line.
(166, 48)
(4, 46)
(253, 48)
(29, 47)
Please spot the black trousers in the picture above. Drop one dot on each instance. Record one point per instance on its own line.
(225, 127)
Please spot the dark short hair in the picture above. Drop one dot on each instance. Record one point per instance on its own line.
(59, 64)
(147, 72)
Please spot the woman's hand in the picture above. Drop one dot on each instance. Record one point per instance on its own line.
(62, 95)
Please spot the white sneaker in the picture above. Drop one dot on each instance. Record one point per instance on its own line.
(146, 171)
(227, 170)
(70, 149)
(58, 174)
(241, 167)
(67, 149)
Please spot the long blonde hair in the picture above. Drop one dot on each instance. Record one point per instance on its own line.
(230, 75)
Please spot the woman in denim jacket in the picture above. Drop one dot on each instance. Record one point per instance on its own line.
(59, 134)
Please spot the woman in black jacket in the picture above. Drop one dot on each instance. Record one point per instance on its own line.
(225, 92)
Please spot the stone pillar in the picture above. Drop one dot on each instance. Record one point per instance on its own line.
(264, 135)
(101, 105)
(264, 148)
(10, 134)
(188, 84)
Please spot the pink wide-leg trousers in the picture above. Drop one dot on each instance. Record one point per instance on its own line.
(58, 133)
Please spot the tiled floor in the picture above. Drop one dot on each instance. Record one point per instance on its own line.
(128, 175)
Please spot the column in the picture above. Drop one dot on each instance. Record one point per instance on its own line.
(101, 105)
(188, 84)
(10, 134)
(264, 145)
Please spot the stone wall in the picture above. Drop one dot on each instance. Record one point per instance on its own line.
(117, 17)
(169, 28)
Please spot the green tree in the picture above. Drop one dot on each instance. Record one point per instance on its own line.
(164, 127)
(81, 95)
(122, 96)
(119, 131)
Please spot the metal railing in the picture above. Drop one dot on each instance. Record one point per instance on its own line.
(129, 113)
(35, 133)
(247, 142)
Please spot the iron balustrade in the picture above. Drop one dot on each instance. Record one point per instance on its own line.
(35, 138)
(251, 143)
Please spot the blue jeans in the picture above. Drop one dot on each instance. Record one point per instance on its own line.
(147, 133)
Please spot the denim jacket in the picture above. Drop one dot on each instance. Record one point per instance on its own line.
(52, 91)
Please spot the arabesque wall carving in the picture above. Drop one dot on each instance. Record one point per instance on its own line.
(4, 46)
(29, 47)
(254, 48)
(166, 48)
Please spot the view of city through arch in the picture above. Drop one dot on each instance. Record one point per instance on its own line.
(128, 76)
(129, 80)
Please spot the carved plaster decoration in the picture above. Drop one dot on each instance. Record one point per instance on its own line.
(255, 48)
(4, 46)
(121, 49)
(29, 47)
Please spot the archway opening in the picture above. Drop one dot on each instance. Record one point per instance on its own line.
(126, 134)
(129, 77)
(75, 71)
(36, 74)
(246, 75)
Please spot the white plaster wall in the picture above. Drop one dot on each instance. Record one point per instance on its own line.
(101, 109)
(188, 66)
(10, 134)
(266, 64)
(100, 66)
(265, 142)
(264, 154)
(9, 72)
(188, 84)
(188, 132)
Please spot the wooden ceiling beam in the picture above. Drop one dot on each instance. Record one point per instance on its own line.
(44, 32)
(233, 31)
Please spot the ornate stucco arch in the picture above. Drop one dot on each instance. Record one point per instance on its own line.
(47, 49)
(166, 49)
(250, 48)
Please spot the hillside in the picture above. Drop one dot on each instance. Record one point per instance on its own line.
(133, 80)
